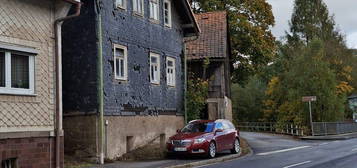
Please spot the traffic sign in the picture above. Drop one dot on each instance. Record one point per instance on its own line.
(308, 98)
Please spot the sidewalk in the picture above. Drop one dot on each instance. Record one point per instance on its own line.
(169, 163)
(331, 137)
(180, 162)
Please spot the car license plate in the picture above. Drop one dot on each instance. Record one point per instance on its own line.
(180, 149)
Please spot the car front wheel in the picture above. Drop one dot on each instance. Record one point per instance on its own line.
(236, 146)
(212, 150)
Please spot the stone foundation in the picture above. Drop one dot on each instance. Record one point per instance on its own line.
(122, 133)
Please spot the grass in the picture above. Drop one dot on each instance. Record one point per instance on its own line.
(72, 162)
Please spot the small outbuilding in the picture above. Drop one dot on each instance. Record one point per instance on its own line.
(213, 47)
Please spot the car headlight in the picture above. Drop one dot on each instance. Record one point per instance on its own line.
(199, 140)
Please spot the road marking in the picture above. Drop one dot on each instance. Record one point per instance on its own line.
(355, 149)
(324, 144)
(297, 164)
(284, 150)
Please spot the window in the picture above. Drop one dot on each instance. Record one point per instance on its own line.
(154, 68)
(8, 163)
(170, 70)
(154, 9)
(120, 3)
(219, 126)
(138, 6)
(16, 73)
(120, 62)
(167, 13)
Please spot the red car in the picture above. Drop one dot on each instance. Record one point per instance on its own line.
(205, 137)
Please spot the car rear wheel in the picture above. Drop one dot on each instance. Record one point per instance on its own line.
(212, 150)
(236, 146)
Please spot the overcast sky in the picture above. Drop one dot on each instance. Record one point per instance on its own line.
(345, 12)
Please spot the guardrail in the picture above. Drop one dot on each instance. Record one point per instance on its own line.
(334, 128)
(289, 128)
(320, 128)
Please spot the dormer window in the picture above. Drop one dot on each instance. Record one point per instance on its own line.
(154, 9)
(167, 13)
(138, 7)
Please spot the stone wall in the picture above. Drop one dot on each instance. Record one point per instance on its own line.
(123, 133)
(127, 133)
(80, 136)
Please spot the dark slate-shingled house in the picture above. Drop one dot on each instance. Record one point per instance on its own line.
(143, 79)
(213, 44)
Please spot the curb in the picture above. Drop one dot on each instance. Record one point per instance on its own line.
(215, 160)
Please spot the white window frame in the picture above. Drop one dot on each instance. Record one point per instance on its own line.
(18, 91)
(138, 11)
(118, 5)
(154, 10)
(157, 72)
(169, 13)
(124, 48)
(171, 78)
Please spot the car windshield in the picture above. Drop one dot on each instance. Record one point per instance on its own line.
(198, 127)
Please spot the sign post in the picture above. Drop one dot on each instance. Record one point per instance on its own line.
(310, 99)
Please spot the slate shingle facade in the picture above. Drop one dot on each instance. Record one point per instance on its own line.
(151, 110)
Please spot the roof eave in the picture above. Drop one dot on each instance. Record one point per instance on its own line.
(194, 24)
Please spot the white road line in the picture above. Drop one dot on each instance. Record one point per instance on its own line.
(324, 144)
(297, 164)
(284, 150)
(355, 149)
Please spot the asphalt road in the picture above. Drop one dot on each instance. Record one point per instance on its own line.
(277, 151)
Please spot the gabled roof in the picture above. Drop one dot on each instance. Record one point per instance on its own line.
(213, 39)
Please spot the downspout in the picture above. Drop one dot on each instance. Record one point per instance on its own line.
(100, 97)
(58, 65)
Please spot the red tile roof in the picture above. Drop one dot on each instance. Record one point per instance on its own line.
(212, 41)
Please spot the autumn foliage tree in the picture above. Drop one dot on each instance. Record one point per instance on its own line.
(252, 43)
(308, 75)
(311, 20)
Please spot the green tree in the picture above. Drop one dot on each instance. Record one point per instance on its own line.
(247, 100)
(311, 20)
(252, 43)
(197, 92)
(308, 75)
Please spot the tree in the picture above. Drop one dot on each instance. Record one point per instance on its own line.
(308, 75)
(311, 20)
(197, 92)
(252, 43)
(247, 100)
